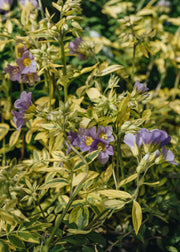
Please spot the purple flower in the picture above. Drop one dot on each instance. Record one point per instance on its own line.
(18, 119)
(155, 136)
(30, 78)
(72, 136)
(168, 155)
(105, 133)
(24, 102)
(85, 138)
(14, 72)
(164, 3)
(26, 63)
(22, 50)
(34, 2)
(131, 140)
(5, 5)
(74, 45)
(140, 87)
(105, 149)
(89, 140)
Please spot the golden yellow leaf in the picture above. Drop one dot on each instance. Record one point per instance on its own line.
(136, 216)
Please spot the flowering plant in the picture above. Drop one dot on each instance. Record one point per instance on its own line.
(82, 147)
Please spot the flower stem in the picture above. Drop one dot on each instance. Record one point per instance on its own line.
(74, 194)
(176, 84)
(63, 58)
(41, 7)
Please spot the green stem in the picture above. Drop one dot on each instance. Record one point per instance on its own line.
(41, 7)
(39, 205)
(176, 84)
(159, 84)
(133, 64)
(74, 194)
(63, 58)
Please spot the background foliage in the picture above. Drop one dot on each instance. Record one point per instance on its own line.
(52, 200)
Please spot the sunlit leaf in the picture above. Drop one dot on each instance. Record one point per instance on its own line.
(115, 194)
(93, 93)
(127, 180)
(28, 236)
(109, 70)
(14, 138)
(136, 216)
(3, 130)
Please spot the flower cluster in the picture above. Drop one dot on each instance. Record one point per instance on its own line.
(22, 104)
(91, 140)
(152, 141)
(25, 71)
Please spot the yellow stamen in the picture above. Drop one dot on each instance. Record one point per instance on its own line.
(27, 62)
(101, 146)
(88, 140)
(15, 70)
(103, 136)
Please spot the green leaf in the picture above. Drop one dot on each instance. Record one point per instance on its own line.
(36, 155)
(55, 183)
(49, 126)
(109, 70)
(16, 241)
(14, 138)
(89, 159)
(93, 93)
(127, 180)
(28, 137)
(28, 236)
(117, 204)
(6, 216)
(115, 194)
(78, 231)
(136, 216)
(83, 219)
(3, 130)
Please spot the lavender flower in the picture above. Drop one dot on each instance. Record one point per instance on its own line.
(105, 133)
(22, 50)
(34, 2)
(5, 5)
(140, 87)
(74, 46)
(168, 156)
(133, 141)
(30, 78)
(18, 119)
(85, 138)
(90, 140)
(155, 136)
(151, 140)
(26, 63)
(105, 149)
(14, 72)
(164, 3)
(22, 104)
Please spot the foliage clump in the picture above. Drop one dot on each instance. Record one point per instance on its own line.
(89, 162)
